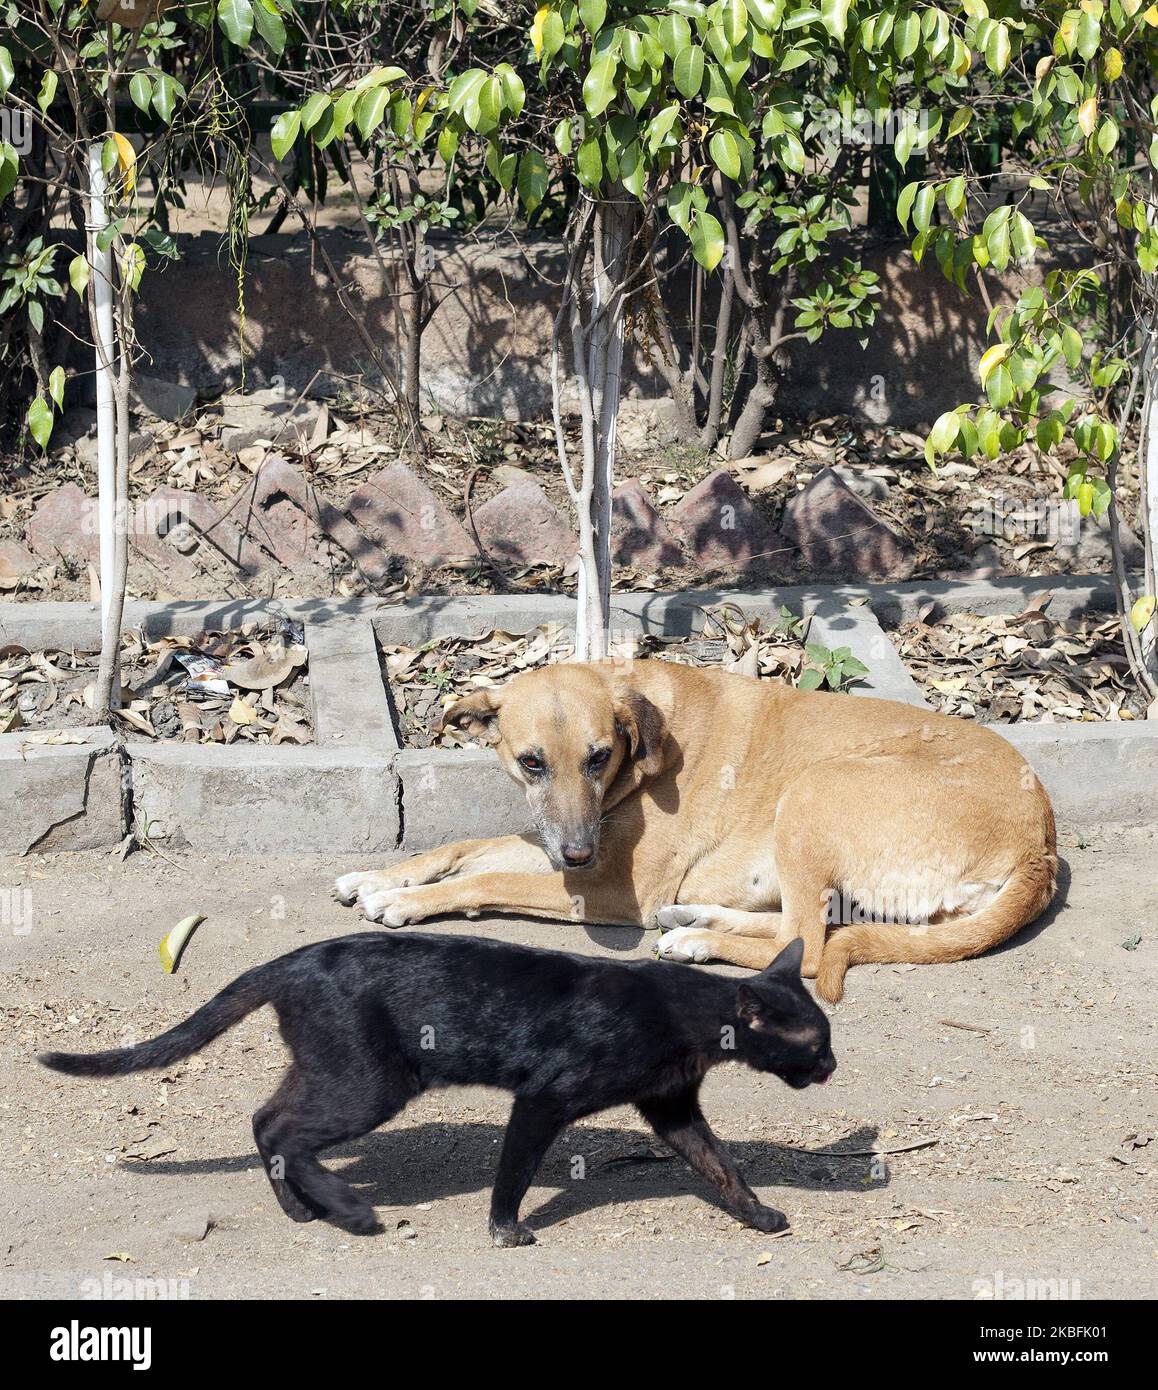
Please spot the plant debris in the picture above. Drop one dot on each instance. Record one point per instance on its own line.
(249, 682)
(424, 680)
(1002, 669)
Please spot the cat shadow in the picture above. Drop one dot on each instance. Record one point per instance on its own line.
(590, 1168)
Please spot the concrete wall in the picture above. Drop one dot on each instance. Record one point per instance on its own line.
(486, 350)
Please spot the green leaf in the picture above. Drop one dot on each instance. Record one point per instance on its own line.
(9, 170)
(905, 203)
(316, 106)
(270, 26)
(554, 34)
(707, 238)
(734, 20)
(285, 131)
(961, 118)
(906, 35)
(56, 386)
(633, 170)
(955, 196)
(834, 16)
(589, 163)
(999, 387)
(1107, 135)
(78, 273)
(47, 90)
(7, 71)
(725, 152)
(369, 110)
(464, 86)
(674, 34)
(659, 130)
(165, 94)
(923, 205)
(141, 90)
(943, 435)
(514, 93)
(810, 679)
(593, 13)
(235, 18)
(447, 143)
(40, 421)
(997, 49)
(599, 84)
(533, 179)
(688, 71)
(790, 152)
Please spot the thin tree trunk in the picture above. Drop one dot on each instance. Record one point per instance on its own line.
(711, 430)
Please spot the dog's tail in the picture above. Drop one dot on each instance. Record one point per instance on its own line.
(247, 993)
(1026, 893)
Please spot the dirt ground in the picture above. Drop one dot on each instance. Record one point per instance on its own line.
(1040, 1120)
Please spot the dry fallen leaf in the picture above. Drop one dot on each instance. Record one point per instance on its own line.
(242, 713)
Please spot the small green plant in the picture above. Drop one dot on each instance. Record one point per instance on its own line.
(838, 669)
(787, 624)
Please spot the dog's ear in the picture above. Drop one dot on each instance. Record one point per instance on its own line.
(476, 715)
(644, 728)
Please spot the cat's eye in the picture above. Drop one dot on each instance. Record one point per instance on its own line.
(531, 763)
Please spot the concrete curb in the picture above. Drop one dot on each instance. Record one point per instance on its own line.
(355, 791)
(60, 796)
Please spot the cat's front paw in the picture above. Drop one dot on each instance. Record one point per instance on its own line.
(767, 1219)
(510, 1237)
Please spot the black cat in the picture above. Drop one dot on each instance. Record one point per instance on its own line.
(376, 1019)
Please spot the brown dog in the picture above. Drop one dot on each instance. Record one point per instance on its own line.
(736, 815)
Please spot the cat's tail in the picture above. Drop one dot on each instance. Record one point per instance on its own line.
(247, 993)
(1026, 893)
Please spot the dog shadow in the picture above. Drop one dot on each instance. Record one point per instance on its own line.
(590, 1168)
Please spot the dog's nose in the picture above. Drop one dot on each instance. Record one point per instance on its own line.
(825, 1069)
(578, 855)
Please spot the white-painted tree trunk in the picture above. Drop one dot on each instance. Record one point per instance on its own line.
(604, 382)
(100, 272)
(1148, 460)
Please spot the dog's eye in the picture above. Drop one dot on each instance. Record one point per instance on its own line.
(598, 759)
(530, 763)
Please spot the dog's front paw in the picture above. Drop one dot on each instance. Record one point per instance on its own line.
(685, 945)
(767, 1219)
(510, 1237)
(347, 888)
(390, 906)
(684, 915)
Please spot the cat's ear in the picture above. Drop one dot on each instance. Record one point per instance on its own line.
(644, 728)
(749, 1007)
(788, 961)
(476, 714)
